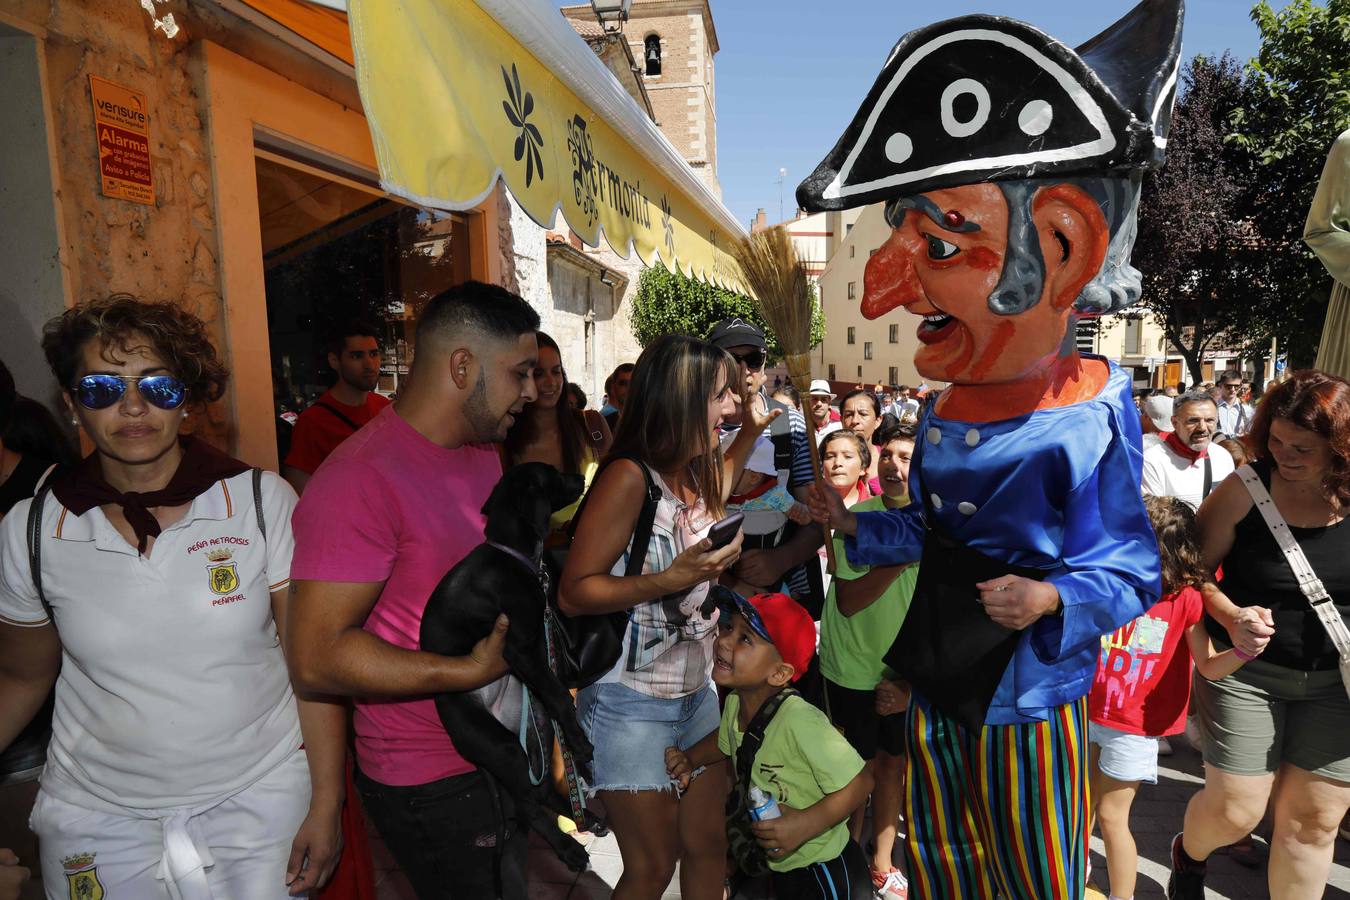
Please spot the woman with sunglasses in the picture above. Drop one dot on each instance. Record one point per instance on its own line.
(181, 763)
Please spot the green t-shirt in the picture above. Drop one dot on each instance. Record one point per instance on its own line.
(851, 647)
(802, 759)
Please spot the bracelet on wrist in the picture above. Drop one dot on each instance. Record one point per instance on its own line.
(1243, 655)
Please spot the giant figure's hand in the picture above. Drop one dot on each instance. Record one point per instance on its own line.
(828, 508)
(1015, 602)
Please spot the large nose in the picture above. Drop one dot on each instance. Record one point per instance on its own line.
(132, 403)
(530, 392)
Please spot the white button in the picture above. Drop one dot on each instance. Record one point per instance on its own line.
(967, 508)
(934, 435)
(935, 500)
(972, 437)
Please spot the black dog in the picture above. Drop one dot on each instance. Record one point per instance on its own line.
(464, 608)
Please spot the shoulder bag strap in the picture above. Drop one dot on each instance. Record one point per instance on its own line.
(335, 411)
(1308, 582)
(257, 503)
(35, 546)
(1209, 478)
(642, 534)
(593, 431)
(753, 738)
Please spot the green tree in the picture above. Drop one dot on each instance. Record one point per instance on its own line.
(1300, 104)
(1195, 246)
(672, 303)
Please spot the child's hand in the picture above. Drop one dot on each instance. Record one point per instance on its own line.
(678, 767)
(800, 513)
(892, 698)
(781, 836)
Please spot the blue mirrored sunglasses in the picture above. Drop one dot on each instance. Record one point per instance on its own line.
(102, 391)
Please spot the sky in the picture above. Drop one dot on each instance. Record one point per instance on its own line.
(791, 73)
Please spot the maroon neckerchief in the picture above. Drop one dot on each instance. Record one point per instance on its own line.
(82, 487)
(1180, 449)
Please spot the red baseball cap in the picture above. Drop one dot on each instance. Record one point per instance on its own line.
(778, 619)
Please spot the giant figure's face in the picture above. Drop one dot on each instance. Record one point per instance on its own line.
(936, 266)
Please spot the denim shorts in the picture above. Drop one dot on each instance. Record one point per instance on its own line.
(631, 731)
(1125, 756)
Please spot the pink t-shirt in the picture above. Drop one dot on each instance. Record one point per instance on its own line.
(389, 505)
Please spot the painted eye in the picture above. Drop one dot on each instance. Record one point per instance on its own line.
(940, 249)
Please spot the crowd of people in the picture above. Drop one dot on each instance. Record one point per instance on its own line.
(208, 663)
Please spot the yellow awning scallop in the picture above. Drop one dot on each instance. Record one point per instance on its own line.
(454, 100)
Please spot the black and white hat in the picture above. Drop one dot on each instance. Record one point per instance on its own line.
(986, 98)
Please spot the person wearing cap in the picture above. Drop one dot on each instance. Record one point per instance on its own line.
(1009, 169)
(1187, 462)
(764, 644)
(1155, 414)
(824, 416)
(775, 547)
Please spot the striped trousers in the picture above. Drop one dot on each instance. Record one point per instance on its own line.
(1001, 812)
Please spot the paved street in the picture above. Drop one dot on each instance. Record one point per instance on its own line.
(1157, 812)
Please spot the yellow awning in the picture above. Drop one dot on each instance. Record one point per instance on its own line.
(454, 100)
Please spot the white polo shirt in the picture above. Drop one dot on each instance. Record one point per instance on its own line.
(1167, 474)
(173, 688)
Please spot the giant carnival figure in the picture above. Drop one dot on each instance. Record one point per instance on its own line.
(1009, 166)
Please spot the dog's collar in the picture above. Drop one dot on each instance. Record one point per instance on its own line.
(534, 566)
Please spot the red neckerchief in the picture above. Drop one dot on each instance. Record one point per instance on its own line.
(1170, 439)
(81, 487)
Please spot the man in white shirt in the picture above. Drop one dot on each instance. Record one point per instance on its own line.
(1235, 417)
(1186, 463)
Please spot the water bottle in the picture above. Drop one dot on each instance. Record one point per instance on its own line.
(762, 805)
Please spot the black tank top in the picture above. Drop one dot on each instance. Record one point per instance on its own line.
(1256, 573)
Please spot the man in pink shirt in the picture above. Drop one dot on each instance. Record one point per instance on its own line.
(394, 508)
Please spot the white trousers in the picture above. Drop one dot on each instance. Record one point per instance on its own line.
(234, 850)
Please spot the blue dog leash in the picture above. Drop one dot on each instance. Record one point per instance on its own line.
(574, 795)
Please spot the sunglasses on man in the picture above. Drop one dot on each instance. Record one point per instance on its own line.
(102, 391)
(752, 360)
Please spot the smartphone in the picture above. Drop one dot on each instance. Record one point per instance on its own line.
(724, 531)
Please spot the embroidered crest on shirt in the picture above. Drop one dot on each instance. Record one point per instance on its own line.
(82, 877)
(222, 572)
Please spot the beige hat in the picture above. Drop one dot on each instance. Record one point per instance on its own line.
(821, 387)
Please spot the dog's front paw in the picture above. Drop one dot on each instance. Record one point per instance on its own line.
(572, 854)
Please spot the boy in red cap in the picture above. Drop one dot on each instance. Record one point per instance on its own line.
(795, 755)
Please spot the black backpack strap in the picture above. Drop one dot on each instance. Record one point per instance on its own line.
(257, 503)
(335, 411)
(642, 532)
(35, 547)
(1209, 478)
(754, 735)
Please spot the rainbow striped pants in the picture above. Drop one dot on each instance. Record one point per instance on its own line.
(1001, 812)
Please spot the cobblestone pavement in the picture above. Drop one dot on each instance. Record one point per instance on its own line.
(1156, 816)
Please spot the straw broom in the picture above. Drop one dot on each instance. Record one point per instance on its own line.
(777, 283)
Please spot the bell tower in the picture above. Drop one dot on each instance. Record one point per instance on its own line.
(673, 43)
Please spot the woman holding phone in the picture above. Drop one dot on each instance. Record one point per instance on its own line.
(660, 687)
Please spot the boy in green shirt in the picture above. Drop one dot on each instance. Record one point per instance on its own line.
(863, 613)
(764, 644)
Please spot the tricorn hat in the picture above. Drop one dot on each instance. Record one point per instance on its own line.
(986, 98)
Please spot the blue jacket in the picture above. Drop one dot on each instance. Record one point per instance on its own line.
(1057, 490)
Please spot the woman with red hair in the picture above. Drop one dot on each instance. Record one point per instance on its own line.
(1286, 713)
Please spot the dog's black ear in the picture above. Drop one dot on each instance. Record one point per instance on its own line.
(566, 489)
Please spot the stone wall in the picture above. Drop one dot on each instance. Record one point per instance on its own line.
(166, 251)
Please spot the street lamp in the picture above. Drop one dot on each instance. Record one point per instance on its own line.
(612, 14)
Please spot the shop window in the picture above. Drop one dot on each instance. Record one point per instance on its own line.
(832, 373)
(333, 252)
(893, 334)
(652, 54)
(851, 334)
(867, 349)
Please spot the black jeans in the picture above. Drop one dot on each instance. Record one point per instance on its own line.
(444, 836)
